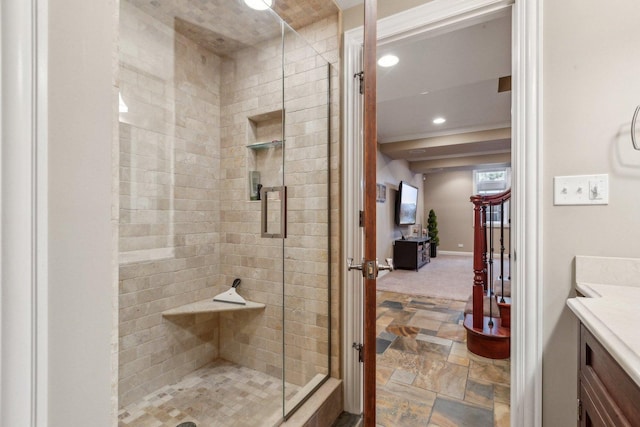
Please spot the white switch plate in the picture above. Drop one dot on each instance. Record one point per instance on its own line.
(581, 190)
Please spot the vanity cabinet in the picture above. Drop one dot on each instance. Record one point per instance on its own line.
(607, 395)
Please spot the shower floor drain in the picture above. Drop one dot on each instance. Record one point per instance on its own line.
(187, 424)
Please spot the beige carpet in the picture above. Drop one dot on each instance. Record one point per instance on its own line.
(447, 276)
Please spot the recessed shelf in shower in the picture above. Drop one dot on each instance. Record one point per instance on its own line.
(265, 151)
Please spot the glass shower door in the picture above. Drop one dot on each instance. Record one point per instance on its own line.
(253, 223)
(306, 247)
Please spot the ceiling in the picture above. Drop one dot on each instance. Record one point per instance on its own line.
(452, 74)
(226, 26)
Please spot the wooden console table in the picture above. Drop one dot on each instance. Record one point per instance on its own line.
(411, 254)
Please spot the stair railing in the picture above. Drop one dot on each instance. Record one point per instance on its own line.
(483, 252)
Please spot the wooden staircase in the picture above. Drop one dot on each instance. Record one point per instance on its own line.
(488, 314)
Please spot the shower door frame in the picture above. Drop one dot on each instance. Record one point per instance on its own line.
(289, 412)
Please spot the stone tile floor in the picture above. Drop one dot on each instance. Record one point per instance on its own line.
(426, 376)
(220, 394)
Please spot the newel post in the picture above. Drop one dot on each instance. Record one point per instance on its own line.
(479, 271)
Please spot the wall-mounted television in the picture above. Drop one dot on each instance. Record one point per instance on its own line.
(406, 204)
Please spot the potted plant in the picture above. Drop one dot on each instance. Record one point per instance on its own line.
(432, 227)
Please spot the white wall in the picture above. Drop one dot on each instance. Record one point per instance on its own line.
(591, 87)
(390, 172)
(81, 248)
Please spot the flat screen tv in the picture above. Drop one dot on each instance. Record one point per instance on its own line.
(406, 204)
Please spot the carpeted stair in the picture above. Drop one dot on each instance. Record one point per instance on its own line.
(468, 309)
(497, 287)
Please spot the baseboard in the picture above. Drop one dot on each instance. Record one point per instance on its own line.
(455, 253)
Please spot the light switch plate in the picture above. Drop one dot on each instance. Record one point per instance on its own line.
(581, 190)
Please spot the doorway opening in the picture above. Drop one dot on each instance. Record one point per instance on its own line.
(444, 121)
(432, 19)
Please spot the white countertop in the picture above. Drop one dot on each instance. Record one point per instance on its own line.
(611, 311)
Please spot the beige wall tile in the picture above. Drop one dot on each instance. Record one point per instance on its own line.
(184, 187)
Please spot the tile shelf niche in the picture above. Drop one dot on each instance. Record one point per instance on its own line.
(210, 306)
(264, 151)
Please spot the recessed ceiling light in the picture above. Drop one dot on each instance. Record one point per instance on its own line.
(388, 61)
(259, 4)
(424, 93)
(439, 120)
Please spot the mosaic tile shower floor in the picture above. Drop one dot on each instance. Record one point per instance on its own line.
(426, 376)
(220, 394)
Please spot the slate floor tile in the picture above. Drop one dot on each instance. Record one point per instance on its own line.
(426, 375)
(450, 412)
(382, 345)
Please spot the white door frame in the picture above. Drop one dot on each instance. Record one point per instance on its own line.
(352, 236)
(23, 208)
(526, 160)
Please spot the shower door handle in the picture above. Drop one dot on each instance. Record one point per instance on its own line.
(281, 233)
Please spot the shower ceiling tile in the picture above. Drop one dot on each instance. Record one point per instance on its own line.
(230, 20)
(215, 42)
(225, 26)
(300, 13)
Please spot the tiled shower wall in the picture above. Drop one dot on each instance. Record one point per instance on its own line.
(324, 37)
(187, 226)
(306, 248)
(169, 212)
(252, 88)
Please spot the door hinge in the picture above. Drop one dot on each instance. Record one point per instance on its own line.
(579, 410)
(360, 76)
(358, 347)
(361, 218)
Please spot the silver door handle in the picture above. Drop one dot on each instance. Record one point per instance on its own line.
(370, 268)
(352, 266)
(389, 265)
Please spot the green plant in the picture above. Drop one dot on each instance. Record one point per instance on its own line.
(432, 227)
